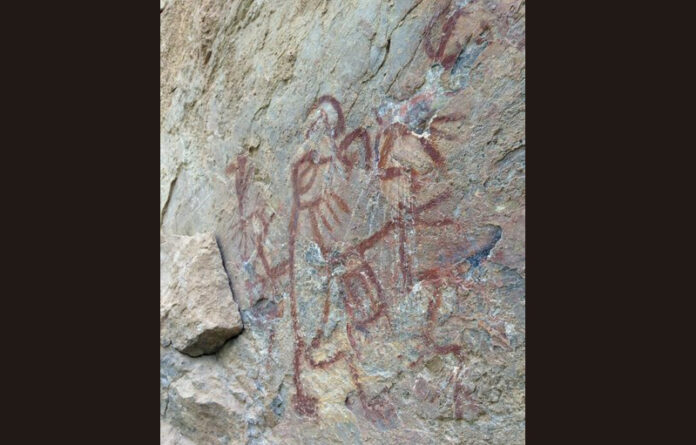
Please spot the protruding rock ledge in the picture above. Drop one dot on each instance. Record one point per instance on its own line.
(197, 310)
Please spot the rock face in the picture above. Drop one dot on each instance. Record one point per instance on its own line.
(361, 164)
(197, 310)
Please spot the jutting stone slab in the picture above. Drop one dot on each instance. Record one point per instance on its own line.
(197, 310)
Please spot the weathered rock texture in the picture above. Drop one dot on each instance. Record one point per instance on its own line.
(361, 164)
(197, 310)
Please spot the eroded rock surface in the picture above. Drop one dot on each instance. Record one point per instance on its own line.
(361, 164)
(197, 310)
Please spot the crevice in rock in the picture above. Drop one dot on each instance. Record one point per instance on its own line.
(415, 50)
(166, 405)
(224, 267)
(409, 12)
(384, 59)
(413, 55)
(507, 156)
(263, 107)
(169, 195)
(208, 341)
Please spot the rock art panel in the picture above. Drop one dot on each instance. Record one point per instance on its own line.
(370, 216)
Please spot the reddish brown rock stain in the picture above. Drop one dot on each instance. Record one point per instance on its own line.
(438, 53)
(243, 175)
(451, 15)
(361, 279)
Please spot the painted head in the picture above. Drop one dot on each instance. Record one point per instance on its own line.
(409, 167)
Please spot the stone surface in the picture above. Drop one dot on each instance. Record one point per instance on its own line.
(197, 310)
(362, 166)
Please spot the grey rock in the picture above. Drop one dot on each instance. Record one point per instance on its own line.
(197, 310)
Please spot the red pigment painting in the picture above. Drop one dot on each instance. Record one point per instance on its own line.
(324, 213)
